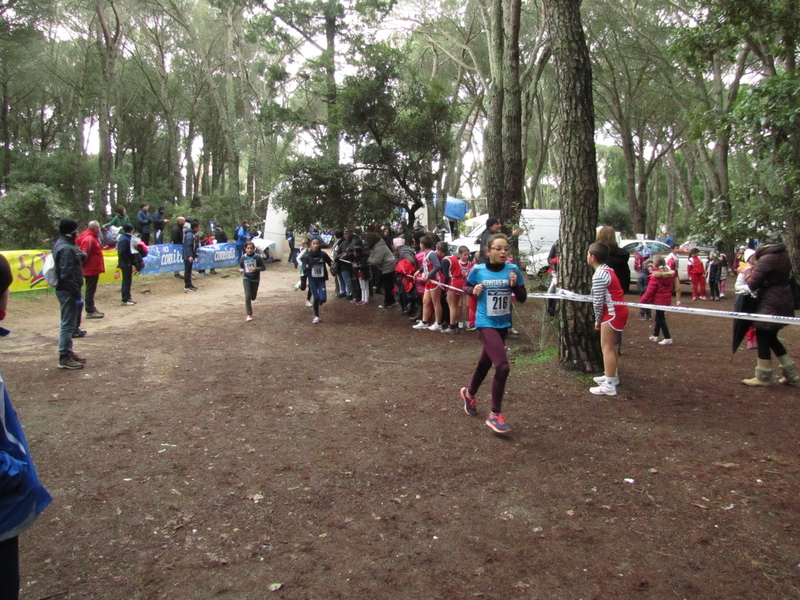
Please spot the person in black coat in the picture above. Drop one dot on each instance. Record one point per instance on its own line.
(769, 278)
(617, 257)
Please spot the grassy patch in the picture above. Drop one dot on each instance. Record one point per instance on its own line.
(538, 357)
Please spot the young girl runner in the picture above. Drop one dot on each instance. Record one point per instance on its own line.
(432, 276)
(251, 266)
(315, 266)
(493, 283)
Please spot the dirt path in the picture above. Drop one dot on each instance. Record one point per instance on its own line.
(199, 456)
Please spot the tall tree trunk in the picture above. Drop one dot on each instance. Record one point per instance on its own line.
(579, 345)
(512, 118)
(108, 40)
(493, 135)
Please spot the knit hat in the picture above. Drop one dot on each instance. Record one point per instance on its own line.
(127, 227)
(748, 253)
(491, 221)
(67, 226)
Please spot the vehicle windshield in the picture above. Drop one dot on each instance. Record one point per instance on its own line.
(475, 231)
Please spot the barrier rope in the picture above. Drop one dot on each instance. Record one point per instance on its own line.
(561, 294)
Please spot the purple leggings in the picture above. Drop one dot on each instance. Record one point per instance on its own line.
(493, 353)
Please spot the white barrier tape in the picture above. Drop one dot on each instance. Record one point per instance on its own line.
(725, 314)
(439, 283)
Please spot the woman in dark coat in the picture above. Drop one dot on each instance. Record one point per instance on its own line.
(618, 261)
(769, 278)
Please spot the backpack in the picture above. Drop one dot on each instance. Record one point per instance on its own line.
(49, 271)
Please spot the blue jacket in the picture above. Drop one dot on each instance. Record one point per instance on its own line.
(143, 221)
(189, 246)
(22, 497)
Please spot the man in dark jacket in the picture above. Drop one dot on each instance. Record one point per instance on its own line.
(69, 266)
(190, 244)
(493, 225)
(158, 225)
(125, 264)
(177, 238)
(144, 222)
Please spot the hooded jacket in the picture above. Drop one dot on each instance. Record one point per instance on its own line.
(769, 278)
(68, 260)
(382, 257)
(22, 497)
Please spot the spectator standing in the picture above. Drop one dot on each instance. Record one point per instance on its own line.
(242, 236)
(697, 274)
(68, 263)
(769, 278)
(190, 244)
(292, 250)
(610, 319)
(120, 218)
(125, 262)
(159, 222)
(493, 227)
(384, 260)
(177, 238)
(144, 223)
(89, 242)
(22, 496)
(659, 291)
(617, 259)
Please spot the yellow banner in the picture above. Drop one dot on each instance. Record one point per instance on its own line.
(26, 267)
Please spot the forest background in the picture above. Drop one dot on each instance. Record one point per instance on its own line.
(343, 112)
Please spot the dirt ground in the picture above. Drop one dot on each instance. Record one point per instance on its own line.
(199, 456)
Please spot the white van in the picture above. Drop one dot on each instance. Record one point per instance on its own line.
(539, 232)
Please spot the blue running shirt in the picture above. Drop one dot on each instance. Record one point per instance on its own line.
(494, 302)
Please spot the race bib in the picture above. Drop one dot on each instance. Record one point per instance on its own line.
(249, 265)
(317, 271)
(498, 303)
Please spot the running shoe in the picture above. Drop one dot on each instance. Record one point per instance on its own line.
(128, 302)
(249, 318)
(95, 315)
(190, 288)
(498, 423)
(435, 327)
(387, 305)
(469, 403)
(666, 342)
(602, 379)
(653, 338)
(315, 320)
(420, 325)
(604, 389)
(309, 303)
(79, 333)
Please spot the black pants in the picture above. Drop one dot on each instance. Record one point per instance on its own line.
(187, 273)
(145, 237)
(9, 569)
(387, 283)
(250, 294)
(91, 290)
(661, 324)
(127, 277)
(768, 341)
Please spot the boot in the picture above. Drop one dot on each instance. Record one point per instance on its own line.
(763, 376)
(789, 370)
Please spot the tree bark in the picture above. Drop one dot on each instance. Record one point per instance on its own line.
(579, 344)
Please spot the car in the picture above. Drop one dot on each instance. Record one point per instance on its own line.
(687, 246)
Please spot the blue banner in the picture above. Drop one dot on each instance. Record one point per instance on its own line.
(167, 258)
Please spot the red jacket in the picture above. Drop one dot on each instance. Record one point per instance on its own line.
(88, 242)
(695, 266)
(659, 289)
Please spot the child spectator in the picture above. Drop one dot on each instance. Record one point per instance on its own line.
(250, 265)
(431, 276)
(659, 291)
(493, 283)
(724, 270)
(740, 287)
(456, 270)
(645, 314)
(609, 318)
(361, 269)
(315, 264)
(404, 280)
(713, 273)
(697, 274)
